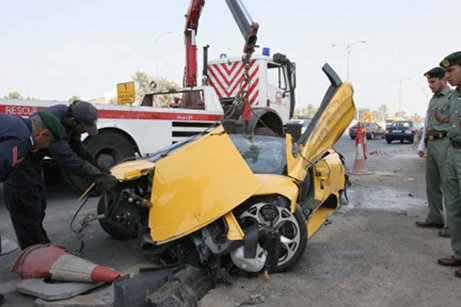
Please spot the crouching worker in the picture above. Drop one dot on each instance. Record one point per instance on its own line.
(25, 193)
(19, 136)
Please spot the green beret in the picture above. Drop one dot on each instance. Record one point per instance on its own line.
(436, 72)
(52, 124)
(452, 59)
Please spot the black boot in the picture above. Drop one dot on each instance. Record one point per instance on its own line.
(2, 299)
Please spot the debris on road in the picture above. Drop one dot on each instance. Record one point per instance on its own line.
(52, 291)
(254, 300)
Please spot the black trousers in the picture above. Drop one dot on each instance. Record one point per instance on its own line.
(25, 199)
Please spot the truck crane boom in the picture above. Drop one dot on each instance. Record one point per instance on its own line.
(247, 26)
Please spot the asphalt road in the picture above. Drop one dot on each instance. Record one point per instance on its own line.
(360, 238)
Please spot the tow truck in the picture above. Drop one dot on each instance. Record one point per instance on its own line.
(268, 83)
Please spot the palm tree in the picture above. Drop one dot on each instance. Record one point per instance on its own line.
(13, 95)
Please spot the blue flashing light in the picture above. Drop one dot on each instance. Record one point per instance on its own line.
(267, 51)
(223, 56)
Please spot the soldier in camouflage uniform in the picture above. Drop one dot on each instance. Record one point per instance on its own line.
(436, 130)
(452, 182)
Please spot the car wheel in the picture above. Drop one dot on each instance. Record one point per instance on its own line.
(401, 141)
(292, 228)
(388, 141)
(352, 138)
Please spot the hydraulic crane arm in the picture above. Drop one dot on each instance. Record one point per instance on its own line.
(248, 28)
(190, 32)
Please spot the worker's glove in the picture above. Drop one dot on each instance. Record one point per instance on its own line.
(89, 157)
(94, 174)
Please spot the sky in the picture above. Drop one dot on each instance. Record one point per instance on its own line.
(56, 49)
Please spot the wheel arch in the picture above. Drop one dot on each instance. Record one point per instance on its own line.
(122, 132)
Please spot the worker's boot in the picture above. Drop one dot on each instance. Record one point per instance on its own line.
(2, 299)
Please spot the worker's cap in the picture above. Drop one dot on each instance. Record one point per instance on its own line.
(86, 114)
(52, 124)
(452, 59)
(436, 72)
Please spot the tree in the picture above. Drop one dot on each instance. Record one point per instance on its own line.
(143, 85)
(416, 118)
(32, 98)
(306, 112)
(384, 110)
(73, 98)
(361, 111)
(402, 114)
(13, 95)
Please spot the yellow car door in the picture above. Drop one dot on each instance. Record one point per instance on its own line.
(328, 125)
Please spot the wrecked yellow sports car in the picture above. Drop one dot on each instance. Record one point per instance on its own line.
(222, 201)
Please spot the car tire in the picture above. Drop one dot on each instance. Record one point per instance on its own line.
(388, 141)
(298, 215)
(352, 138)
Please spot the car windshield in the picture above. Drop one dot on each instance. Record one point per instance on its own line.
(263, 154)
(401, 124)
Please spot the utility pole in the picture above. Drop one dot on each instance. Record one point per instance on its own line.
(348, 48)
(400, 93)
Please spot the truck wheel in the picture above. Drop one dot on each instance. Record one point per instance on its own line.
(108, 149)
(264, 131)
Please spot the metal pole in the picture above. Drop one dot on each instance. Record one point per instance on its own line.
(348, 48)
(400, 98)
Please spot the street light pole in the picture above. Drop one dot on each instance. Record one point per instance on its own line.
(156, 51)
(400, 93)
(348, 48)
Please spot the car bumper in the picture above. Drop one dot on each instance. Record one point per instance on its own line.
(402, 136)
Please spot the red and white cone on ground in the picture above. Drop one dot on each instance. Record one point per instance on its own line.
(52, 260)
(361, 152)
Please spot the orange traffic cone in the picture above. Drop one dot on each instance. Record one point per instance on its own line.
(361, 152)
(52, 260)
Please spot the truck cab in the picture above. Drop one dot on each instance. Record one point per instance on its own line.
(271, 89)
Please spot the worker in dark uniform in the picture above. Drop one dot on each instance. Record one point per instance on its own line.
(435, 130)
(19, 136)
(452, 182)
(25, 194)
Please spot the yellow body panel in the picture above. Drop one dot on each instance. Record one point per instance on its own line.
(317, 219)
(329, 174)
(234, 233)
(132, 169)
(328, 129)
(278, 184)
(198, 184)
